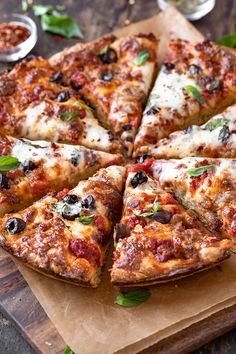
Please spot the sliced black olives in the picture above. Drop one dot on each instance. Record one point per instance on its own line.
(141, 159)
(57, 77)
(110, 136)
(4, 183)
(109, 56)
(28, 166)
(70, 213)
(88, 202)
(162, 216)
(15, 225)
(121, 231)
(153, 110)
(75, 159)
(194, 69)
(63, 96)
(139, 178)
(106, 76)
(70, 199)
(168, 66)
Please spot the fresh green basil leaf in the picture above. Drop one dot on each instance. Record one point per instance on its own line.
(195, 172)
(40, 10)
(142, 58)
(67, 116)
(195, 93)
(62, 25)
(83, 105)
(219, 122)
(155, 206)
(68, 350)
(8, 163)
(149, 213)
(85, 219)
(224, 133)
(132, 298)
(228, 41)
(145, 215)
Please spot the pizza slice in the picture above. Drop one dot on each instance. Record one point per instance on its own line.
(205, 185)
(157, 239)
(196, 81)
(36, 104)
(66, 235)
(216, 138)
(115, 75)
(31, 169)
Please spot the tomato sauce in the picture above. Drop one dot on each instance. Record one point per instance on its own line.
(12, 34)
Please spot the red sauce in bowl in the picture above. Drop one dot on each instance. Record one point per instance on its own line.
(12, 34)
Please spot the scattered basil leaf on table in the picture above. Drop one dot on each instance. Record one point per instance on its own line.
(24, 5)
(132, 298)
(195, 172)
(228, 40)
(8, 163)
(85, 219)
(224, 133)
(68, 350)
(142, 58)
(40, 10)
(195, 93)
(219, 122)
(62, 25)
(67, 116)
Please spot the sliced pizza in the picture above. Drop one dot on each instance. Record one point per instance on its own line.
(205, 185)
(216, 138)
(157, 239)
(31, 169)
(66, 235)
(196, 81)
(115, 75)
(36, 104)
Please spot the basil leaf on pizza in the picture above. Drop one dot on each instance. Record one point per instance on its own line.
(85, 219)
(8, 163)
(219, 122)
(142, 58)
(149, 213)
(132, 298)
(228, 40)
(194, 92)
(195, 172)
(67, 116)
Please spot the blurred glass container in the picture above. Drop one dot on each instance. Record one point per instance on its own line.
(191, 9)
(19, 51)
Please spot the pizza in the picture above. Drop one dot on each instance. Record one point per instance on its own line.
(196, 81)
(216, 138)
(31, 169)
(157, 239)
(205, 185)
(66, 235)
(115, 75)
(36, 104)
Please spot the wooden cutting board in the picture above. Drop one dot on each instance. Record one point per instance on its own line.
(19, 304)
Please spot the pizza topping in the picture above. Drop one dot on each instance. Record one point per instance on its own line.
(15, 225)
(63, 96)
(214, 85)
(195, 172)
(194, 69)
(67, 211)
(8, 163)
(28, 166)
(110, 136)
(75, 159)
(57, 77)
(168, 67)
(106, 76)
(141, 159)
(67, 116)
(162, 216)
(83, 249)
(139, 178)
(127, 127)
(213, 124)
(121, 231)
(70, 199)
(85, 219)
(88, 202)
(150, 213)
(153, 110)
(4, 183)
(142, 58)
(224, 133)
(194, 92)
(108, 56)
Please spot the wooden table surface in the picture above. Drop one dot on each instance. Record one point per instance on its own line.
(98, 17)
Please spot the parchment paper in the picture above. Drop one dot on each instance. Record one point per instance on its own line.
(88, 319)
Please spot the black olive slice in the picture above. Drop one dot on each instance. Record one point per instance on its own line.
(63, 96)
(141, 159)
(162, 216)
(70, 199)
(106, 76)
(4, 183)
(57, 77)
(121, 231)
(168, 66)
(194, 69)
(70, 213)
(15, 225)
(139, 178)
(153, 110)
(28, 166)
(109, 56)
(88, 202)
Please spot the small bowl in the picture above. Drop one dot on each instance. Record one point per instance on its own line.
(21, 50)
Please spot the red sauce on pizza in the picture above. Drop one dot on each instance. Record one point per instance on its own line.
(12, 34)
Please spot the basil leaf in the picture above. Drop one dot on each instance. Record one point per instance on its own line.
(62, 25)
(36, 146)
(132, 298)
(144, 215)
(67, 116)
(212, 125)
(60, 7)
(195, 172)
(195, 93)
(85, 219)
(149, 213)
(142, 58)
(228, 41)
(8, 163)
(83, 105)
(214, 85)
(40, 10)
(68, 350)
(224, 133)
(155, 206)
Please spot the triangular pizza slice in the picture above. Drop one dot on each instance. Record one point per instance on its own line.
(66, 235)
(205, 185)
(216, 138)
(115, 75)
(35, 103)
(159, 240)
(31, 169)
(196, 81)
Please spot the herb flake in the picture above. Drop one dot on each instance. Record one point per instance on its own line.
(194, 92)
(224, 133)
(8, 163)
(195, 172)
(132, 298)
(216, 123)
(68, 116)
(152, 212)
(85, 219)
(142, 57)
